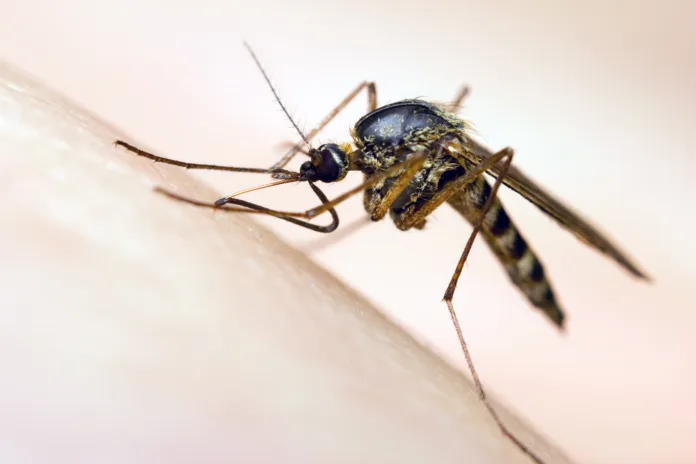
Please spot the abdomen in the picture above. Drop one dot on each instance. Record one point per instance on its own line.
(521, 263)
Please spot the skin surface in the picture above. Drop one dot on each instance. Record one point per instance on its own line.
(138, 329)
(596, 97)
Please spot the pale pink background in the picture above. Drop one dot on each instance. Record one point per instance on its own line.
(596, 97)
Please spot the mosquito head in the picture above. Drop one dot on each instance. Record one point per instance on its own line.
(329, 163)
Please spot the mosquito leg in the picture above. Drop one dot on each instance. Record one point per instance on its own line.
(400, 183)
(321, 243)
(448, 300)
(159, 159)
(440, 197)
(455, 105)
(419, 215)
(248, 207)
(371, 106)
(477, 227)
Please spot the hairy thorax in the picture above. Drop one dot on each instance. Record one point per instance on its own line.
(389, 134)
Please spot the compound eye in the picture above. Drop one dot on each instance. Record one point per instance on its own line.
(309, 171)
(332, 163)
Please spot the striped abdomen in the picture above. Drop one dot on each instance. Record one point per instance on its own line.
(520, 262)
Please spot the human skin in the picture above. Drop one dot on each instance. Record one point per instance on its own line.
(596, 98)
(138, 329)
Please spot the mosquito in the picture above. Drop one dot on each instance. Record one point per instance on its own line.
(415, 156)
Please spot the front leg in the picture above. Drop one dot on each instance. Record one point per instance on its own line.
(371, 88)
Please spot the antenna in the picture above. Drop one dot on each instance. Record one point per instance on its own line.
(275, 94)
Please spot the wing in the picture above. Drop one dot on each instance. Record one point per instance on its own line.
(567, 218)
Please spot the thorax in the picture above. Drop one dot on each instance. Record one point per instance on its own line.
(386, 135)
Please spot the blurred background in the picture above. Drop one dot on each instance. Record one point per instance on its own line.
(596, 97)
